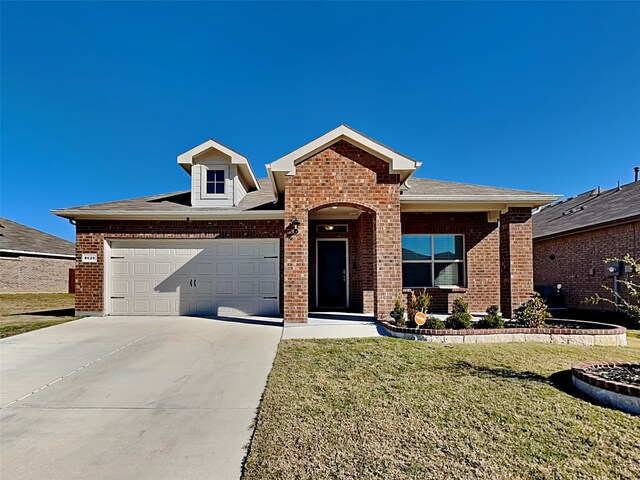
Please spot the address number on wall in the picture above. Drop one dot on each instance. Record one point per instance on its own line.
(89, 258)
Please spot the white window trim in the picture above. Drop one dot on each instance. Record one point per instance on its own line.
(433, 261)
(203, 182)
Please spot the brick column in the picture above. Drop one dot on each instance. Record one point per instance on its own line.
(388, 254)
(516, 259)
(296, 267)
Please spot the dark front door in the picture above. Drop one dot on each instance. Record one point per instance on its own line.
(332, 274)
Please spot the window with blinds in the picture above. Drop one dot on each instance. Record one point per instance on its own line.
(432, 261)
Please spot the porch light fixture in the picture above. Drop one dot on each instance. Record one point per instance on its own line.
(296, 223)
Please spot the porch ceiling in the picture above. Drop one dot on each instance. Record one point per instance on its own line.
(335, 213)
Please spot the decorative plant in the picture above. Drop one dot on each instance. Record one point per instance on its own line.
(493, 319)
(460, 317)
(631, 306)
(533, 312)
(433, 323)
(419, 303)
(398, 312)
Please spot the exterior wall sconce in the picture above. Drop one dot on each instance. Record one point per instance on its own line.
(296, 223)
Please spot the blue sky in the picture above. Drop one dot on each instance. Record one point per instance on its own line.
(98, 99)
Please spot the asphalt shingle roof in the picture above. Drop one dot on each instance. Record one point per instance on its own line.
(180, 202)
(588, 210)
(426, 186)
(18, 237)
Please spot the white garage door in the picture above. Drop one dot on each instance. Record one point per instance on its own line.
(185, 277)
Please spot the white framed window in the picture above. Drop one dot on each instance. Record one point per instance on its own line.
(214, 182)
(432, 261)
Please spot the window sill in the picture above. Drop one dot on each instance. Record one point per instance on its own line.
(436, 289)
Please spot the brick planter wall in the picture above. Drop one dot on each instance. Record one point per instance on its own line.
(343, 175)
(90, 236)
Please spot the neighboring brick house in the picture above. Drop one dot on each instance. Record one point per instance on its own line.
(339, 224)
(32, 261)
(572, 239)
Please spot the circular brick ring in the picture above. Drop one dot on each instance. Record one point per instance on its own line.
(618, 395)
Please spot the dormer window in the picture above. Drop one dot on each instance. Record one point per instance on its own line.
(215, 182)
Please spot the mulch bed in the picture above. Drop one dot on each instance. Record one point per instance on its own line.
(628, 374)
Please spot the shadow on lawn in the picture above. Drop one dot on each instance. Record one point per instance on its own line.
(497, 372)
(561, 380)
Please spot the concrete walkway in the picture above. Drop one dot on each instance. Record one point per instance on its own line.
(333, 325)
(133, 397)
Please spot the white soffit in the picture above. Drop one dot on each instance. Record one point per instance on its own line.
(398, 163)
(186, 159)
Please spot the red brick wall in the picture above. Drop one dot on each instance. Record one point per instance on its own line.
(90, 236)
(516, 259)
(578, 262)
(482, 256)
(35, 275)
(342, 174)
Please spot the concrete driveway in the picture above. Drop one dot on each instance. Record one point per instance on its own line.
(132, 397)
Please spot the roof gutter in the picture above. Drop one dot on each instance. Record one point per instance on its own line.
(40, 254)
(168, 215)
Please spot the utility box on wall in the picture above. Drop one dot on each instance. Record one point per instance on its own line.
(614, 269)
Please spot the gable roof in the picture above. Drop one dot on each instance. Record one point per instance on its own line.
(286, 165)
(589, 210)
(18, 238)
(186, 159)
(255, 205)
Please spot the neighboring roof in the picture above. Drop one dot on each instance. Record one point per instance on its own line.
(256, 204)
(286, 165)
(589, 210)
(18, 238)
(187, 158)
(423, 190)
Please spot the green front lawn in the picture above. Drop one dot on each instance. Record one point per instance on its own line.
(19, 312)
(395, 409)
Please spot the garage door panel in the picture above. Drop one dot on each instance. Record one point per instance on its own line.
(224, 288)
(161, 278)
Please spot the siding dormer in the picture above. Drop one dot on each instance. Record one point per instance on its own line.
(220, 177)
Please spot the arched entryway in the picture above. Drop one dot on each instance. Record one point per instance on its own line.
(341, 258)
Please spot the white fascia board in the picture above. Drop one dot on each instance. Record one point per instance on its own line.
(186, 159)
(397, 162)
(272, 180)
(193, 215)
(478, 198)
(521, 200)
(43, 254)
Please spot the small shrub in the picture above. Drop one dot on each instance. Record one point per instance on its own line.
(458, 321)
(493, 319)
(459, 306)
(460, 317)
(533, 312)
(433, 323)
(398, 312)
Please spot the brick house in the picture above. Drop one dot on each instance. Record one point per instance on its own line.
(339, 224)
(572, 239)
(32, 261)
